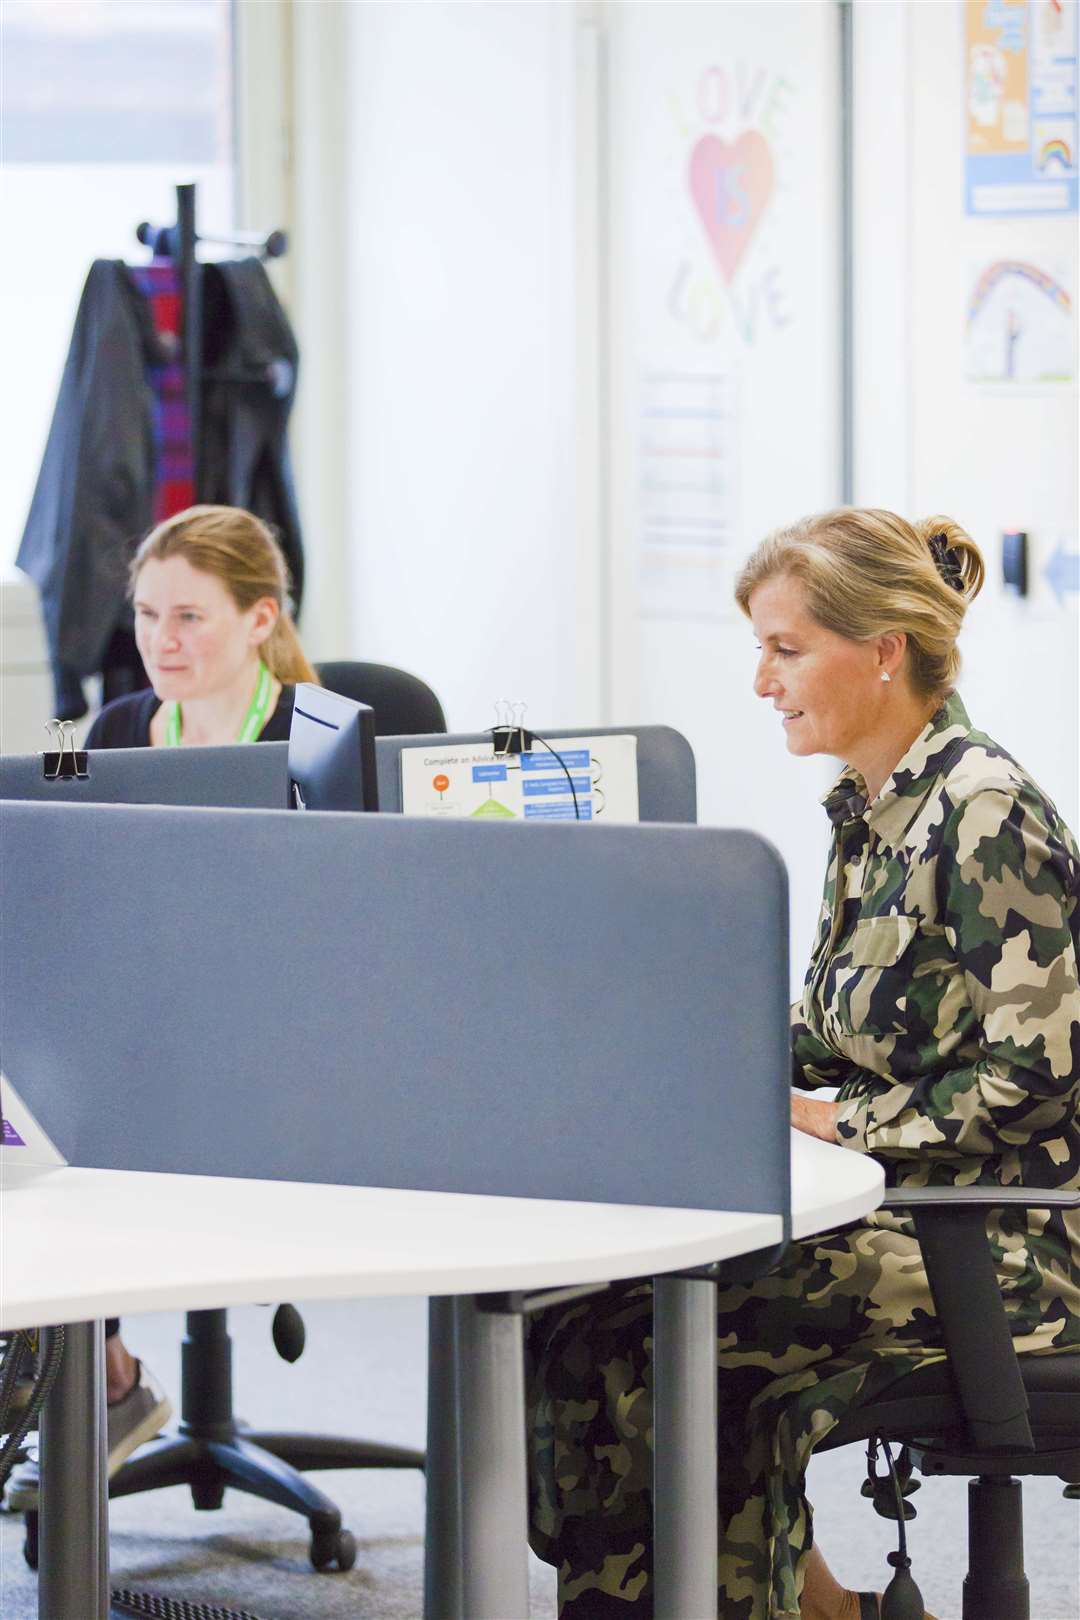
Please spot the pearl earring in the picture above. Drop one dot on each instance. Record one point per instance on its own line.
(885, 675)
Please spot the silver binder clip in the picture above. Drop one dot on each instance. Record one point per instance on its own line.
(66, 761)
(508, 735)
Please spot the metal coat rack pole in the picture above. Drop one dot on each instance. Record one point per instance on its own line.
(178, 242)
(191, 292)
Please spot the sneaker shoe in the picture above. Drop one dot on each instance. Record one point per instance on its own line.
(141, 1414)
(134, 1419)
(21, 1490)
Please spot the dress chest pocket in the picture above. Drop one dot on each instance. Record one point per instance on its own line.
(866, 989)
(881, 941)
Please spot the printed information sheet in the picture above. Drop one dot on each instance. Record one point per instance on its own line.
(599, 773)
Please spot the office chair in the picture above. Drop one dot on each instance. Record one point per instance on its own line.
(211, 1449)
(404, 705)
(984, 1412)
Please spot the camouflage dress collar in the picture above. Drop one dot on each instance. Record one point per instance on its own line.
(902, 796)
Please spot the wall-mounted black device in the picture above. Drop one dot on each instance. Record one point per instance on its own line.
(1014, 561)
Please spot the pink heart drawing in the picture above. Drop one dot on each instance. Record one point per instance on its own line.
(731, 182)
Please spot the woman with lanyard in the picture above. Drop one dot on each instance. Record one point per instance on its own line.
(942, 1001)
(210, 588)
(210, 593)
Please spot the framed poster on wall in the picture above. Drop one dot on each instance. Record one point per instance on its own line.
(1020, 107)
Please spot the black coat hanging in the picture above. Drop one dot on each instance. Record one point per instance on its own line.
(94, 498)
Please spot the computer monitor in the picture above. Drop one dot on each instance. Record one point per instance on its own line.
(331, 752)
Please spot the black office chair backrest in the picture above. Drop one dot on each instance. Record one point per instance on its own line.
(404, 704)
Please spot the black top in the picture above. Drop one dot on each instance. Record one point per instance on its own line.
(125, 723)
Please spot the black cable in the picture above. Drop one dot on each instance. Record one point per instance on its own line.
(50, 1355)
(14, 1355)
(901, 1599)
(577, 808)
(898, 1493)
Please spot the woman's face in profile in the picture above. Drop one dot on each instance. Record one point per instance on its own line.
(191, 635)
(827, 690)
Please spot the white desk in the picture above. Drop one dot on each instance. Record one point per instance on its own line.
(83, 1244)
(830, 1185)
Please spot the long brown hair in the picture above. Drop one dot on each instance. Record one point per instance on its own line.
(867, 572)
(239, 550)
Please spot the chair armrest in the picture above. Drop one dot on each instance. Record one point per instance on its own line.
(982, 1197)
(950, 1224)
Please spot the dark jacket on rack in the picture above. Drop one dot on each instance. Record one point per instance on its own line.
(95, 491)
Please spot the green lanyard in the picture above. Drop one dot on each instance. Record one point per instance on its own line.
(253, 720)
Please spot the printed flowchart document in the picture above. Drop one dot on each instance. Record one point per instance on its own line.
(576, 779)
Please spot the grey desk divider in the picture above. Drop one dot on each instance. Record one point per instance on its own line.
(256, 778)
(242, 778)
(552, 1011)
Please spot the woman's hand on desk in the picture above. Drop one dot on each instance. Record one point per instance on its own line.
(814, 1117)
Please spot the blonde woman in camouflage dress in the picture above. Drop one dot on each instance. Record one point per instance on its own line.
(942, 1001)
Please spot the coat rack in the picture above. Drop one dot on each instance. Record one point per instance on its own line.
(178, 242)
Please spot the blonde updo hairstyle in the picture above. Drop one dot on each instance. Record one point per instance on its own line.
(238, 549)
(868, 573)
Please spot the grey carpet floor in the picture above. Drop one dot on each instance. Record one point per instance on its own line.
(363, 1374)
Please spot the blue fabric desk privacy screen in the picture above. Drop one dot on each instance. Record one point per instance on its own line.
(243, 778)
(257, 778)
(551, 1010)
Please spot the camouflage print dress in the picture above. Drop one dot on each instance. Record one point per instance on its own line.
(942, 999)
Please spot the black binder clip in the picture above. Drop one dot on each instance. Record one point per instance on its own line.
(508, 734)
(68, 761)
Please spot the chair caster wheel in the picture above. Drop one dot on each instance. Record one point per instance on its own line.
(333, 1547)
(30, 1541)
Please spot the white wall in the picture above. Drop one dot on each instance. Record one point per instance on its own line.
(459, 325)
(725, 377)
(994, 457)
(293, 160)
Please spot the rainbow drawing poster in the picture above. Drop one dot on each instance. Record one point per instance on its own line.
(1020, 324)
(1020, 97)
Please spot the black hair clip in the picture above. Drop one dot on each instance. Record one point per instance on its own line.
(947, 561)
